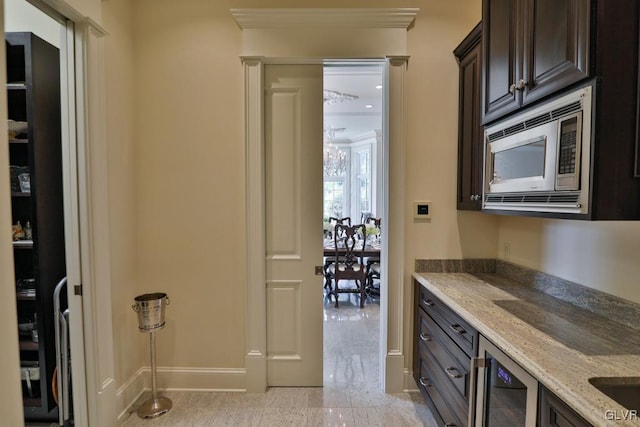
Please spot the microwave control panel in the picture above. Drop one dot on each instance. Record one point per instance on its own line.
(567, 150)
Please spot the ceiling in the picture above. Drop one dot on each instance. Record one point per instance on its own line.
(350, 119)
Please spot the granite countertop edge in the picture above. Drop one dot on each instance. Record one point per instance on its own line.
(562, 370)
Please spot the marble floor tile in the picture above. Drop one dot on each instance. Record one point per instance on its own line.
(351, 396)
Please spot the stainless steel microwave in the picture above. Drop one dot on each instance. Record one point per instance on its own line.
(539, 160)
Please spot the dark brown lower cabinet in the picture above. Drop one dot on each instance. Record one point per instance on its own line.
(444, 345)
(442, 358)
(553, 412)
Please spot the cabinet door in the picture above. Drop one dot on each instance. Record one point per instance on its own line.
(501, 65)
(553, 412)
(556, 45)
(470, 135)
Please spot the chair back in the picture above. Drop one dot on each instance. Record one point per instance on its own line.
(344, 221)
(349, 248)
(370, 220)
(363, 216)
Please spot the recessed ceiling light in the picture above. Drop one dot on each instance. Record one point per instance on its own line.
(378, 86)
(368, 106)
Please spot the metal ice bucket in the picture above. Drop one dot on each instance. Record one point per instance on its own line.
(150, 309)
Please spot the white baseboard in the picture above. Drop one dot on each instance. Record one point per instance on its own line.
(195, 379)
(409, 382)
(394, 380)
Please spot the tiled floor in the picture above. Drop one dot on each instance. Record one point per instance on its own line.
(351, 395)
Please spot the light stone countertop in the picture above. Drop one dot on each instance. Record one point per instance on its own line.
(560, 344)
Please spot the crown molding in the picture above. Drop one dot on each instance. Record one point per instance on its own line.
(316, 17)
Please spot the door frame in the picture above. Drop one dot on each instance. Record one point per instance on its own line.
(354, 34)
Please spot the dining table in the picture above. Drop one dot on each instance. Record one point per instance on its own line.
(370, 249)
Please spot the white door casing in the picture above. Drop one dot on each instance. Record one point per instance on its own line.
(310, 36)
(293, 187)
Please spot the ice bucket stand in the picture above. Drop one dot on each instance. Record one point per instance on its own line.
(150, 309)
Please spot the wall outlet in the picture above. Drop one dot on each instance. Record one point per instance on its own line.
(506, 250)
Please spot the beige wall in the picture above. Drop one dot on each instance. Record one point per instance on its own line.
(188, 176)
(601, 255)
(189, 163)
(432, 144)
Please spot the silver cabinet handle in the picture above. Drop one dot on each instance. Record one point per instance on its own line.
(428, 302)
(425, 337)
(424, 382)
(453, 372)
(519, 85)
(458, 329)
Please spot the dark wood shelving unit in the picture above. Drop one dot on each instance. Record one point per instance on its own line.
(33, 95)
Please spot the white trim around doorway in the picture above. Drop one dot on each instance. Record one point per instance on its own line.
(353, 43)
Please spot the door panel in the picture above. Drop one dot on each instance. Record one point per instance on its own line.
(293, 167)
(556, 46)
(500, 61)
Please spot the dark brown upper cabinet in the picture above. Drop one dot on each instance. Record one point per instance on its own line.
(531, 49)
(470, 136)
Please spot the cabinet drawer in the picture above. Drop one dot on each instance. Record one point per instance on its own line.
(427, 384)
(451, 361)
(452, 324)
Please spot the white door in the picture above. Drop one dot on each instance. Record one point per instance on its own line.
(293, 168)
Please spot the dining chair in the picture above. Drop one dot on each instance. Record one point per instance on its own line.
(364, 215)
(349, 263)
(373, 263)
(333, 221)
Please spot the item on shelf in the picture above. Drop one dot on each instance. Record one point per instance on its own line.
(30, 371)
(15, 172)
(24, 179)
(25, 328)
(26, 293)
(18, 231)
(17, 128)
(27, 283)
(28, 231)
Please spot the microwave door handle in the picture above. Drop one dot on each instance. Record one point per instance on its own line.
(476, 363)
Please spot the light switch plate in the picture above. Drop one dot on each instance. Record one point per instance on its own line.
(422, 210)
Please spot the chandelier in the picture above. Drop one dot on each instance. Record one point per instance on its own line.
(334, 159)
(334, 97)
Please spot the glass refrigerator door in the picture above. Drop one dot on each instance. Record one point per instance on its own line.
(507, 394)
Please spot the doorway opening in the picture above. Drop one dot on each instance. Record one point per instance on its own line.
(40, 88)
(353, 138)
